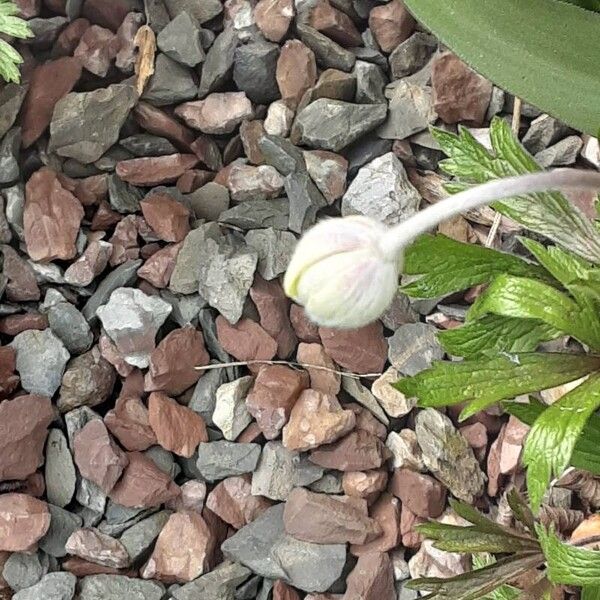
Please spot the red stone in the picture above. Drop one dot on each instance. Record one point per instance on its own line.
(364, 484)
(105, 217)
(273, 395)
(51, 218)
(177, 428)
(97, 49)
(335, 24)
(158, 122)
(158, 268)
(107, 13)
(386, 512)
(15, 324)
(362, 350)
(296, 71)
(411, 538)
(24, 425)
(97, 456)
(155, 170)
(69, 37)
(8, 363)
(305, 329)
(47, 85)
(422, 494)
(91, 190)
(273, 308)
(82, 568)
(371, 579)
(167, 217)
(130, 424)
(391, 24)
(273, 18)
(143, 484)
(173, 362)
(282, 591)
(23, 522)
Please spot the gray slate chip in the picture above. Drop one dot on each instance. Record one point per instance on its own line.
(254, 71)
(171, 83)
(202, 11)
(62, 524)
(221, 459)
(60, 474)
(219, 62)
(71, 327)
(9, 156)
(24, 570)
(54, 586)
(219, 584)
(11, 98)
(139, 539)
(265, 548)
(118, 587)
(181, 41)
(258, 214)
(414, 347)
(328, 53)
(146, 144)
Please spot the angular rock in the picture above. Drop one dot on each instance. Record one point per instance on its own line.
(274, 249)
(97, 547)
(180, 40)
(9, 155)
(217, 67)
(225, 274)
(140, 538)
(97, 457)
(382, 191)
(60, 475)
(218, 460)
(459, 93)
(53, 586)
(335, 24)
(323, 519)
(177, 428)
(62, 525)
(51, 218)
(167, 217)
(562, 153)
(272, 397)
(132, 319)
(370, 82)
(157, 170)
(264, 547)
(364, 484)
(97, 49)
(71, 327)
(8, 364)
(171, 83)
(422, 494)
(246, 182)
(412, 55)
(414, 347)
(411, 110)
(11, 99)
(322, 370)
(41, 360)
(254, 71)
(88, 380)
(23, 522)
(158, 269)
(24, 423)
(328, 170)
(143, 484)
(85, 125)
(184, 549)
(129, 423)
(273, 18)
(333, 125)
(219, 584)
(372, 578)
(279, 119)
(281, 470)
(232, 500)
(306, 330)
(448, 456)
(231, 415)
(209, 201)
(145, 144)
(296, 71)
(218, 114)
(281, 154)
(543, 132)
(258, 213)
(360, 350)
(316, 419)
(358, 451)
(305, 200)
(48, 84)
(393, 402)
(329, 54)
(391, 24)
(117, 587)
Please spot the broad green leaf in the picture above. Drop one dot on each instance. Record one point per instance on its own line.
(550, 442)
(510, 296)
(496, 378)
(9, 59)
(567, 564)
(539, 50)
(587, 4)
(15, 27)
(590, 593)
(12, 26)
(476, 584)
(504, 592)
(449, 266)
(497, 334)
(454, 538)
(550, 213)
(586, 454)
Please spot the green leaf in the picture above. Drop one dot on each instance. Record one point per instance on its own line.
(586, 454)
(13, 26)
(567, 564)
(475, 584)
(551, 440)
(590, 593)
(449, 266)
(521, 510)
(587, 4)
(504, 592)
(496, 378)
(539, 50)
(9, 59)
(523, 298)
(549, 213)
(498, 334)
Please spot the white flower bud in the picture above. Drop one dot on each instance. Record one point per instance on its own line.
(345, 271)
(340, 274)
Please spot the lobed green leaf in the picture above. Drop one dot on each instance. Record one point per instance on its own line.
(496, 378)
(449, 266)
(552, 438)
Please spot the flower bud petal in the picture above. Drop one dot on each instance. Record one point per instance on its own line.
(340, 274)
